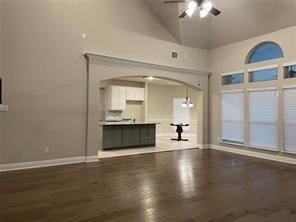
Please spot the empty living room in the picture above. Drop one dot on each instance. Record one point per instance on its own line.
(147, 111)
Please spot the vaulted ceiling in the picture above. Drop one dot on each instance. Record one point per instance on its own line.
(240, 19)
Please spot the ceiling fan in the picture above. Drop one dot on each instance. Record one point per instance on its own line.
(205, 7)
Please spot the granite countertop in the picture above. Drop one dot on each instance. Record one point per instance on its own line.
(126, 123)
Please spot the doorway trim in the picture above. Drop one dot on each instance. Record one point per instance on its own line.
(101, 67)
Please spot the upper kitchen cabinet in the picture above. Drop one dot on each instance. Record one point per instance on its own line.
(116, 98)
(135, 94)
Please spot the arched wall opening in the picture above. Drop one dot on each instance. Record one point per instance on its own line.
(102, 68)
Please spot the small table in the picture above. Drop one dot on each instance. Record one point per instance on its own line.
(179, 130)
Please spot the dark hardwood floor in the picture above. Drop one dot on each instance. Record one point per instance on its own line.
(189, 185)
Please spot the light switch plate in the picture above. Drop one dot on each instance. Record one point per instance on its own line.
(3, 108)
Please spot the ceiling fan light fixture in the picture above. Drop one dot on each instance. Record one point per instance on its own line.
(191, 8)
(203, 13)
(207, 6)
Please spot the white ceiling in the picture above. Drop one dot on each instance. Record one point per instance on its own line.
(240, 19)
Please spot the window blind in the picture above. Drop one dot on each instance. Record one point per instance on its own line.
(290, 119)
(263, 119)
(232, 117)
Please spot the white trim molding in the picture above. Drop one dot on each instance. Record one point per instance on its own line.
(47, 163)
(289, 64)
(90, 159)
(232, 73)
(265, 156)
(262, 89)
(289, 86)
(145, 64)
(231, 91)
(263, 68)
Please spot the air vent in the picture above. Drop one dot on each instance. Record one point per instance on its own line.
(174, 55)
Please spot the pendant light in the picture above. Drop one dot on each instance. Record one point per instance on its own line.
(187, 102)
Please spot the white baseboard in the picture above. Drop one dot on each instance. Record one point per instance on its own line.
(204, 146)
(265, 156)
(47, 163)
(90, 159)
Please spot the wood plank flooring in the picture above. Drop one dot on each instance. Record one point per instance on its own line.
(179, 186)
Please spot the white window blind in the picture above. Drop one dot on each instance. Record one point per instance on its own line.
(181, 114)
(263, 119)
(290, 119)
(232, 117)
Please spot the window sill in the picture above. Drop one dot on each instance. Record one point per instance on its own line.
(289, 152)
(3, 108)
(263, 148)
(230, 143)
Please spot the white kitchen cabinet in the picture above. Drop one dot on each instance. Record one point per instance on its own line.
(116, 98)
(135, 94)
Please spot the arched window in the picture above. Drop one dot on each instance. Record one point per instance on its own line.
(264, 51)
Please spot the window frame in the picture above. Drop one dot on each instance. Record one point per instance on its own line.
(240, 72)
(286, 66)
(276, 124)
(286, 87)
(221, 140)
(256, 47)
(252, 70)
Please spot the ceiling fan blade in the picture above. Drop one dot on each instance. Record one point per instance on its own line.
(176, 1)
(215, 11)
(183, 15)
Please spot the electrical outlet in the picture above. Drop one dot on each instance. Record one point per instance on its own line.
(46, 150)
(83, 36)
(3, 108)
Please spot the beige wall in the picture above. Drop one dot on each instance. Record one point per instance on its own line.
(160, 106)
(231, 58)
(45, 72)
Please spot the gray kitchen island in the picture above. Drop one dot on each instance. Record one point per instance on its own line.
(118, 135)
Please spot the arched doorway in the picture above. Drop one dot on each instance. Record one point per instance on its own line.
(102, 68)
(159, 102)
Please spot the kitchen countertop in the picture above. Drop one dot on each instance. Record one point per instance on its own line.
(126, 123)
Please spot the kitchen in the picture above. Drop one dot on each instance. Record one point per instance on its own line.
(137, 112)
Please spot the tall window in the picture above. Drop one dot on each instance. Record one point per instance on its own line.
(263, 119)
(232, 115)
(265, 51)
(290, 119)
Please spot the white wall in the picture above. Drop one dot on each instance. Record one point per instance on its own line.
(45, 72)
